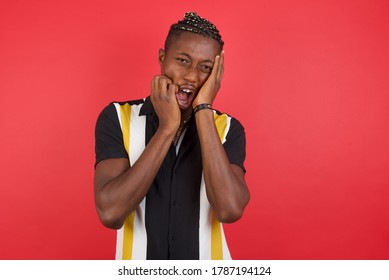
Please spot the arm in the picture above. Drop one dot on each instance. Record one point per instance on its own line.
(119, 187)
(226, 188)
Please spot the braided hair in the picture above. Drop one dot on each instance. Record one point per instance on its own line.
(195, 24)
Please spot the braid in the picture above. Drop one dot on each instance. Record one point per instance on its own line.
(195, 24)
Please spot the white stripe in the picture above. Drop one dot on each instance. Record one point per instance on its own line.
(137, 146)
(205, 228)
(119, 235)
(228, 120)
(180, 140)
(137, 133)
(119, 244)
(204, 224)
(226, 251)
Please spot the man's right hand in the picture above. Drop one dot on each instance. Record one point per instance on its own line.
(120, 187)
(163, 98)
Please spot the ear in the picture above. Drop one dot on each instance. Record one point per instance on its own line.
(161, 56)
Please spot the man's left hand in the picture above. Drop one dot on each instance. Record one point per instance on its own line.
(208, 91)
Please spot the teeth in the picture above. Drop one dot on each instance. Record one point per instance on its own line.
(186, 90)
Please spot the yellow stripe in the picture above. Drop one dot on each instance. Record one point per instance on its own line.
(128, 227)
(125, 111)
(216, 239)
(128, 237)
(216, 233)
(221, 124)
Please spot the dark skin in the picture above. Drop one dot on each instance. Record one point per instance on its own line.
(191, 73)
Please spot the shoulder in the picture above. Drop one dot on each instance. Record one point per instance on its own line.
(232, 123)
(108, 132)
(233, 137)
(112, 110)
(131, 102)
(117, 104)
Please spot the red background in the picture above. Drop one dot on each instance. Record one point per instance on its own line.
(308, 79)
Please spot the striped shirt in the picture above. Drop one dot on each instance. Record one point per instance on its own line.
(175, 219)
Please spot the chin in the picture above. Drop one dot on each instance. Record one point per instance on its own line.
(185, 108)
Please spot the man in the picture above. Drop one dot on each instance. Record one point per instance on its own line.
(169, 168)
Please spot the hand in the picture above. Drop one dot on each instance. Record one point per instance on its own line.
(163, 98)
(208, 91)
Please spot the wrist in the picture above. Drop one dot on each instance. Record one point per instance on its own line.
(167, 131)
(197, 102)
(202, 106)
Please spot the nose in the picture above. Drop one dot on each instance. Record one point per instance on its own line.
(191, 74)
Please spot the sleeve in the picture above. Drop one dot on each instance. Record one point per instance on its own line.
(108, 136)
(235, 144)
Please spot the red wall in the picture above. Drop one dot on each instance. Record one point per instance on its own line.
(308, 79)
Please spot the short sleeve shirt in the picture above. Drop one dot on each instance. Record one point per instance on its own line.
(172, 202)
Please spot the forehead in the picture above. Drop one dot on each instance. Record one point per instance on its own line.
(195, 45)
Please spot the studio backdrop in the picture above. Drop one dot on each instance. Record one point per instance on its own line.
(307, 79)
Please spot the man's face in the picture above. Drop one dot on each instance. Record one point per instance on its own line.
(188, 63)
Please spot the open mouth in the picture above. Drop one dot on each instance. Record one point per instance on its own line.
(185, 96)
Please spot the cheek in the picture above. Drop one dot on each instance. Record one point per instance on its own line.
(203, 77)
(170, 71)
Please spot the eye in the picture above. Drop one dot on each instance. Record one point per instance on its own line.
(182, 60)
(206, 68)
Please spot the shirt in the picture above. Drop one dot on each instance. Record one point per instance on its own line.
(175, 219)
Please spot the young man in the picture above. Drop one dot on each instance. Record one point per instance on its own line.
(169, 168)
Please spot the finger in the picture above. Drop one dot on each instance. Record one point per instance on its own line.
(154, 85)
(164, 84)
(218, 68)
(172, 89)
(221, 66)
(215, 66)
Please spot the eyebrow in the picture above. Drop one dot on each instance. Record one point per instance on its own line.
(187, 55)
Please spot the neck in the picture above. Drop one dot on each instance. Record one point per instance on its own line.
(185, 115)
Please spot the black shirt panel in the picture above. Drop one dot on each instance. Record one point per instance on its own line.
(108, 135)
(185, 199)
(235, 145)
(173, 200)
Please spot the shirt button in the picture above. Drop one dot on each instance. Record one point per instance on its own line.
(174, 203)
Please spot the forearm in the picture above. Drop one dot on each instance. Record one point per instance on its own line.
(117, 198)
(225, 186)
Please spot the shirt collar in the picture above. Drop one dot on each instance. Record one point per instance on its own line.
(147, 107)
